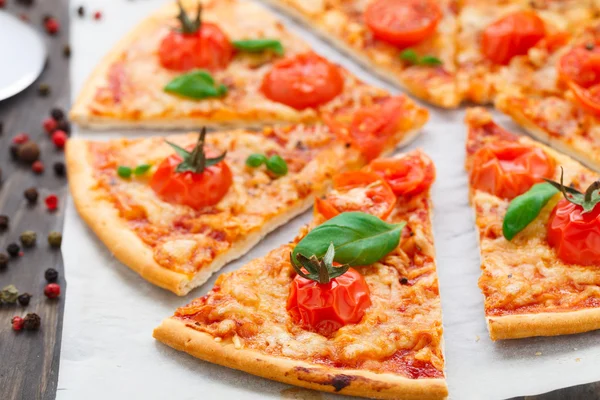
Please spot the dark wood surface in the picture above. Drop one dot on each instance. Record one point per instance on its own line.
(29, 361)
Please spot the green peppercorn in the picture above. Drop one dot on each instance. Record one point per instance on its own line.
(142, 169)
(124, 172)
(9, 294)
(24, 299)
(32, 322)
(256, 160)
(28, 238)
(55, 239)
(277, 165)
(44, 89)
(4, 258)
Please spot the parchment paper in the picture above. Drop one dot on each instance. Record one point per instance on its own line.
(108, 350)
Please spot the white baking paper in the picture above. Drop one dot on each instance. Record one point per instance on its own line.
(108, 350)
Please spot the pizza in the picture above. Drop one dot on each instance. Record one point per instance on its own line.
(175, 210)
(539, 247)
(329, 313)
(226, 63)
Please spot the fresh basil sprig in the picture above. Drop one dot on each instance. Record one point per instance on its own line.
(276, 164)
(411, 57)
(587, 200)
(358, 238)
(525, 208)
(196, 85)
(319, 269)
(195, 161)
(259, 45)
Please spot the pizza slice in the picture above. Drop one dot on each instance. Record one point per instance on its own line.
(409, 42)
(351, 306)
(219, 62)
(540, 249)
(176, 210)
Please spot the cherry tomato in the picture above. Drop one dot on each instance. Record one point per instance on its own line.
(209, 48)
(406, 176)
(512, 35)
(197, 190)
(554, 41)
(358, 191)
(326, 308)
(304, 81)
(588, 99)
(575, 236)
(402, 23)
(508, 169)
(581, 65)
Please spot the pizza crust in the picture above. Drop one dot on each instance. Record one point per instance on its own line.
(176, 334)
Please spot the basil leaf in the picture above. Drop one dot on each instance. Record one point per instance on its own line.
(256, 160)
(142, 169)
(430, 60)
(196, 85)
(277, 165)
(124, 172)
(358, 238)
(259, 45)
(410, 56)
(523, 209)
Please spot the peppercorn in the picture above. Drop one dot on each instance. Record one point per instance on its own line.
(54, 239)
(31, 195)
(25, 2)
(67, 51)
(20, 138)
(64, 126)
(13, 249)
(81, 11)
(3, 261)
(52, 290)
(51, 275)
(28, 238)
(50, 125)
(3, 222)
(59, 168)
(38, 167)
(24, 299)
(9, 294)
(51, 202)
(57, 113)
(403, 281)
(32, 322)
(44, 89)
(1, 127)
(59, 138)
(51, 25)
(2, 3)
(97, 15)
(14, 151)
(29, 152)
(17, 323)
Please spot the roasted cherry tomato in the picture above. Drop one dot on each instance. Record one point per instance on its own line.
(197, 190)
(304, 81)
(406, 176)
(575, 236)
(512, 35)
(326, 308)
(507, 169)
(358, 191)
(581, 65)
(402, 23)
(588, 99)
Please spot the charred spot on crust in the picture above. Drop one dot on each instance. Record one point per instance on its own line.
(341, 381)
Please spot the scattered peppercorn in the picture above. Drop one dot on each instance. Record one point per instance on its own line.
(13, 249)
(2, 3)
(24, 299)
(1, 123)
(81, 11)
(52, 25)
(44, 89)
(14, 151)
(31, 195)
(28, 238)
(403, 281)
(17, 323)
(65, 126)
(51, 202)
(32, 322)
(57, 113)
(20, 138)
(98, 15)
(55, 239)
(59, 138)
(51, 275)
(29, 152)
(4, 222)
(59, 168)
(25, 2)
(52, 290)
(37, 167)
(9, 294)
(3, 261)
(50, 125)
(67, 51)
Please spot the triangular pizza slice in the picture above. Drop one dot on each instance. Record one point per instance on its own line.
(351, 306)
(176, 210)
(226, 63)
(540, 248)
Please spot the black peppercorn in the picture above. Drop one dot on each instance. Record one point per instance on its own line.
(3, 261)
(4, 222)
(31, 195)
(59, 169)
(403, 281)
(81, 11)
(1, 127)
(58, 114)
(13, 249)
(51, 275)
(44, 89)
(55, 239)
(14, 151)
(28, 238)
(67, 51)
(29, 152)
(32, 322)
(64, 126)
(24, 299)
(46, 17)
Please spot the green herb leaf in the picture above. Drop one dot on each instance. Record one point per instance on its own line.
(430, 60)
(587, 200)
(410, 56)
(318, 269)
(277, 165)
(358, 238)
(142, 169)
(525, 208)
(196, 85)
(195, 161)
(124, 172)
(259, 45)
(256, 160)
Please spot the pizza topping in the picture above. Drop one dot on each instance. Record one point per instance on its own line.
(512, 35)
(192, 178)
(402, 22)
(407, 176)
(525, 208)
(259, 45)
(581, 65)
(304, 81)
(507, 169)
(196, 85)
(196, 45)
(126, 172)
(588, 99)
(275, 164)
(412, 58)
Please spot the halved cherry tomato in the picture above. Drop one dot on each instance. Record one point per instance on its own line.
(588, 99)
(402, 22)
(406, 176)
(303, 81)
(197, 190)
(508, 169)
(358, 191)
(209, 48)
(326, 308)
(512, 35)
(581, 65)
(575, 236)
(554, 41)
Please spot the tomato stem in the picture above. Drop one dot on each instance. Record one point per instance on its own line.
(187, 25)
(198, 158)
(590, 191)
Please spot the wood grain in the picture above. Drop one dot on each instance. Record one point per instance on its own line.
(29, 361)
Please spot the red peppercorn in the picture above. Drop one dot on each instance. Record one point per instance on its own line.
(52, 290)
(17, 323)
(97, 15)
(50, 125)
(59, 138)
(2, 3)
(20, 138)
(51, 202)
(37, 167)
(52, 25)
(24, 17)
